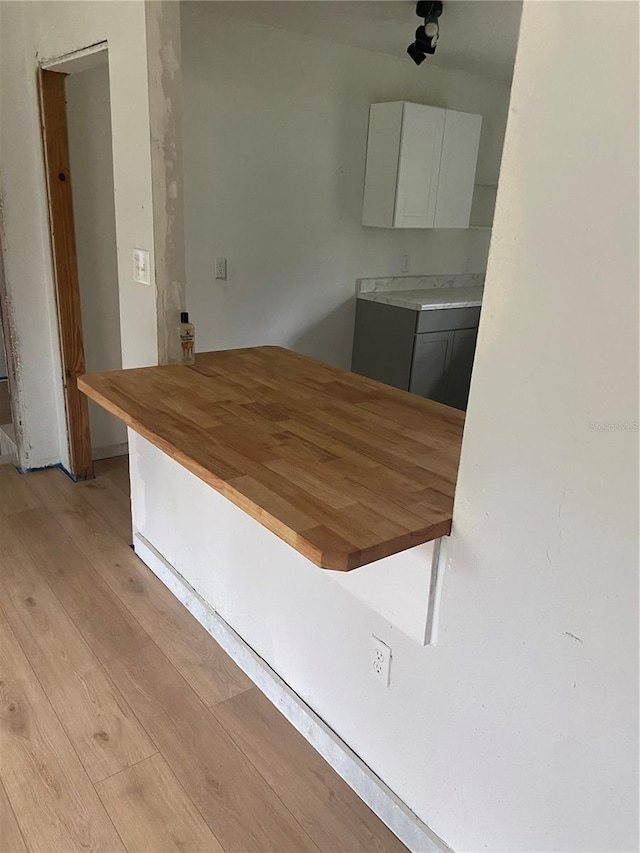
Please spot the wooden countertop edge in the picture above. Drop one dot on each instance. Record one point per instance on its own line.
(341, 561)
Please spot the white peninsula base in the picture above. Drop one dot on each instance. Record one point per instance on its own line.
(302, 634)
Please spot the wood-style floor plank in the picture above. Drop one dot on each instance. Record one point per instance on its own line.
(105, 496)
(55, 804)
(115, 471)
(11, 840)
(212, 784)
(333, 815)
(97, 720)
(241, 809)
(194, 653)
(105, 624)
(152, 812)
(15, 494)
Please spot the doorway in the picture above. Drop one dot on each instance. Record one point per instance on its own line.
(76, 117)
(90, 157)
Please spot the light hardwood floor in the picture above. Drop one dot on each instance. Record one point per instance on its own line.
(123, 724)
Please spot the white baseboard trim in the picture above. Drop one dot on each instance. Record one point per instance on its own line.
(107, 451)
(8, 449)
(415, 834)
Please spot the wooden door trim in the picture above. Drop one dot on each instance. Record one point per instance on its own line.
(53, 118)
(8, 331)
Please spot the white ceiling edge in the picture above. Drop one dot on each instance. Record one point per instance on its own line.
(477, 37)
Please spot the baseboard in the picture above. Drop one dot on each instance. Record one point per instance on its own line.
(109, 450)
(8, 450)
(407, 826)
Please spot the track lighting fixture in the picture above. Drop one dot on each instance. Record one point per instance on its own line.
(427, 34)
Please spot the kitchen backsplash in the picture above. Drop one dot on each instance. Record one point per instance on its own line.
(418, 282)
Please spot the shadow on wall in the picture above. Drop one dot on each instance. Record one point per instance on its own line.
(329, 339)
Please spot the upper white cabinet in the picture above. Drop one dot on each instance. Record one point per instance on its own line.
(421, 166)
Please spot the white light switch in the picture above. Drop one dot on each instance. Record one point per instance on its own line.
(141, 266)
(221, 269)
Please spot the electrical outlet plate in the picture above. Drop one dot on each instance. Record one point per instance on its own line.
(380, 660)
(141, 266)
(221, 269)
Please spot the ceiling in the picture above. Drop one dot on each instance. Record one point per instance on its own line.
(476, 36)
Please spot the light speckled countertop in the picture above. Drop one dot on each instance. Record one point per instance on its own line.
(429, 300)
(425, 293)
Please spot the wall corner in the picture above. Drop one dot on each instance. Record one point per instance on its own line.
(165, 126)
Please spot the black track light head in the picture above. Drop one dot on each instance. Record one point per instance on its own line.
(426, 35)
(424, 42)
(416, 54)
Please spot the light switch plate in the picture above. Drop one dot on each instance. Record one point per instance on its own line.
(141, 266)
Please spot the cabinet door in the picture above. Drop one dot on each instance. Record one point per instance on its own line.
(418, 166)
(381, 169)
(463, 348)
(457, 169)
(430, 363)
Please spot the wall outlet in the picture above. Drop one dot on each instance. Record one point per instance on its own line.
(221, 269)
(380, 660)
(405, 264)
(141, 266)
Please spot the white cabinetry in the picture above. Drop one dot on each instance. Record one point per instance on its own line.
(421, 166)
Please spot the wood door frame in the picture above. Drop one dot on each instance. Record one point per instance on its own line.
(53, 117)
(8, 333)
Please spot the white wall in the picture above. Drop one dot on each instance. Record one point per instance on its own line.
(275, 130)
(545, 539)
(37, 31)
(518, 729)
(89, 128)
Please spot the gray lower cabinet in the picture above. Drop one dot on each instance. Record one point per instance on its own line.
(426, 352)
(463, 350)
(431, 357)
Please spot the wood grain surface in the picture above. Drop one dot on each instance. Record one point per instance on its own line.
(152, 811)
(99, 724)
(10, 835)
(344, 469)
(234, 776)
(39, 765)
(106, 625)
(65, 266)
(339, 820)
(203, 664)
(226, 788)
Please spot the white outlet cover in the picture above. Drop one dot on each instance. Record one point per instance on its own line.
(141, 262)
(221, 269)
(380, 660)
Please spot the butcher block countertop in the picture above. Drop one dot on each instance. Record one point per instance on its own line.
(344, 469)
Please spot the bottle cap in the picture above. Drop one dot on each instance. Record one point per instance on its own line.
(184, 317)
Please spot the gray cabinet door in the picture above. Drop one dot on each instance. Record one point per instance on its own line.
(463, 347)
(430, 362)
